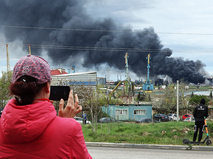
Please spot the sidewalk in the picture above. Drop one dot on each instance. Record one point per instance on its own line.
(150, 146)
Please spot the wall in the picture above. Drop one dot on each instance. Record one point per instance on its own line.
(127, 112)
(83, 78)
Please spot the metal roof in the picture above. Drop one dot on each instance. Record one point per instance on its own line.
(75, 74)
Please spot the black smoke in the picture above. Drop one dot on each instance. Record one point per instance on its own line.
(96, 41)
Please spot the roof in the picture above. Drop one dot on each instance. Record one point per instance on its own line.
(57, 72)
(75, 74)
(83, 78)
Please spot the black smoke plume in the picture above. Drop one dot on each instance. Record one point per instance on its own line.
(96, 41)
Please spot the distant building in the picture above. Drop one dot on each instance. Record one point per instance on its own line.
(158, 82)
(110, 82)
(129, 111)
(101, 80)
(83, 78)
(209, 81)
(58, 71)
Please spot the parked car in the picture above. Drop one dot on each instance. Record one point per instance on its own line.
(161, 117)
(172, 116)
(107, 120)
(187, 116)
(80, 120)
(145, 120)
(191, 119)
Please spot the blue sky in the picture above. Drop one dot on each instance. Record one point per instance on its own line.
(183, 26)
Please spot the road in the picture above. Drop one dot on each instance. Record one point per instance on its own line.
(133, 153)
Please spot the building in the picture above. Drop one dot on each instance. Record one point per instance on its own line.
(101, 80)
(58, 71)
(83, 78)
(129, 111)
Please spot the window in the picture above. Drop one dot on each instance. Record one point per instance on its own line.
(139, 112)
(124, 112)
(121, 112)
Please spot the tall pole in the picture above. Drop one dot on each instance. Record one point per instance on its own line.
(8, 60)
(177, 100)
(126, 62)
(127, 75)
(29, 50)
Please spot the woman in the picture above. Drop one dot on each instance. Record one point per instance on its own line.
(29, 127)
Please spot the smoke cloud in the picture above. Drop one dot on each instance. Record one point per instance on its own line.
(96, 41)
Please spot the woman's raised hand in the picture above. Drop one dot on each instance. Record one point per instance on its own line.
(72, 108)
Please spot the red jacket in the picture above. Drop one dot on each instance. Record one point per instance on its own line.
(34, 131)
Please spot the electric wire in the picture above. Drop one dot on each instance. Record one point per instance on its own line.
(86, 48)
(109, 49)
(89, 30)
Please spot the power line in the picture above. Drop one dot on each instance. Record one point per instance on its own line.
(109, 49)
(185, 33)
(86, 30)
(82, 48)
(64, 29)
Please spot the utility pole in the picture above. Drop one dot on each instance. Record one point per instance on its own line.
(177, 100)
(29, 50)
(8, 60)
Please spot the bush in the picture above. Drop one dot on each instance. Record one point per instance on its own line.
(210, 126)
(195, 99)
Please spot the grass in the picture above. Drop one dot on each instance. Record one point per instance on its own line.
(167, 133)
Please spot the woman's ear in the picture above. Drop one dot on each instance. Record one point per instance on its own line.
(47, 88)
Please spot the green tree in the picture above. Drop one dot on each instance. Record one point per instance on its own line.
(139, 96)
(192, 94)
(167, 102)
(5, 81)
(91, 98)
(97, 101)
(183, 100)
(195, 100)
(210, 95)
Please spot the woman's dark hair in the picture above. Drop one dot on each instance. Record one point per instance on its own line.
(25, 89)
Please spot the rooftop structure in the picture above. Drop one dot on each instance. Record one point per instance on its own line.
(82, 78)
(58, 71)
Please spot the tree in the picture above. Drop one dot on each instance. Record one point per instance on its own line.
(192, 94)
(139, 96)
(143, 97)
(5, 81)
(91, 98)
(183, 100)
(97, 100)
(167, 102)
(210, 95)
(195, 100)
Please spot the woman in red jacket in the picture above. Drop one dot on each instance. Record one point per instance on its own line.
(29, 127)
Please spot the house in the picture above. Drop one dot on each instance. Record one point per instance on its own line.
(129, 111)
